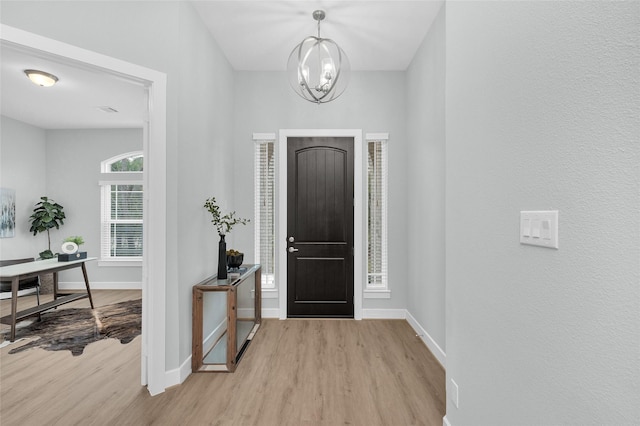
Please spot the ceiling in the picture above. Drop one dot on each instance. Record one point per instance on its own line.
(376, 35)
(254, 36)
(76, 101)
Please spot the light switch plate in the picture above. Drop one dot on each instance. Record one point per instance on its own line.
(539, 228)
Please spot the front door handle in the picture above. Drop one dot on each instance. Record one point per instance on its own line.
(292, 249)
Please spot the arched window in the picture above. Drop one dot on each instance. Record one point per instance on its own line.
(121, 209)
(131, 162)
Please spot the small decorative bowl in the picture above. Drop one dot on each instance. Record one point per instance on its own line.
(234, 262)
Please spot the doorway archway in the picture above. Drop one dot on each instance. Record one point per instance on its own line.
(154, 148)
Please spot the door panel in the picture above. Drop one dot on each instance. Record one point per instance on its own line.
(320, 220)
(328, 286)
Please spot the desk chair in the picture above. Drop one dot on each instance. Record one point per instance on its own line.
(30, 283)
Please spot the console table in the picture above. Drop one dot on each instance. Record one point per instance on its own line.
(226, 315)
(20, 271)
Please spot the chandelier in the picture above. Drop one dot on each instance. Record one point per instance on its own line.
(318, 68)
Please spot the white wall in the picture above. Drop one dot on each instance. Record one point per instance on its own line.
(543, 110)
(63, 165)
(142, 33)
(373, 102)
(425, 93)
(162, 36)
(204, 161)
(22, 168)
(72, 175)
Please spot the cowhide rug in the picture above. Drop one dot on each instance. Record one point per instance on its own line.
(73, 329)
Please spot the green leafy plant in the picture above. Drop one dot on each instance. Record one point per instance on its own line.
(223, 223)
(74, 239)
(47, 214)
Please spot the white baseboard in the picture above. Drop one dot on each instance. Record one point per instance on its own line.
(178, 375)
(445, 422)
(79, 285)
(7, 294)
(384, 314)
(435, 349)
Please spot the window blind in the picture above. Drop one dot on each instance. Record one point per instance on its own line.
(122, 225)
(377, 215)
(265, 210)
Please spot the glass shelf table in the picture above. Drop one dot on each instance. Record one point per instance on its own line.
(226, 316)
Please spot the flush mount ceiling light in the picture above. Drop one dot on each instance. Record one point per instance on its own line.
(318, 68)
(41, 78)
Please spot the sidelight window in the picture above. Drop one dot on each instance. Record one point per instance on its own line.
(377, 213)
(265, 207)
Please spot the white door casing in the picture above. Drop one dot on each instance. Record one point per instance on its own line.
(358, 212)
(154, 216)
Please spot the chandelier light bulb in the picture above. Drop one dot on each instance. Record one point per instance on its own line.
(303, 75)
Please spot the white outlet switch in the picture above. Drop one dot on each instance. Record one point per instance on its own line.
(545, 232)
(539, 228)
(535, 229)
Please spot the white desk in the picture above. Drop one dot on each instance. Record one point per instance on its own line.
(20, 271)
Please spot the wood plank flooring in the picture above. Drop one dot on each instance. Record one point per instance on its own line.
(295, 372)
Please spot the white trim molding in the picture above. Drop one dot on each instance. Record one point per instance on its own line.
(435, 349)
(431, 344)
(106, 285)
(104, 165)
(7, 294)
(359, 223)
(120, 263)
(178, 375)
(153, 369)
(264, 136)
(377, 136)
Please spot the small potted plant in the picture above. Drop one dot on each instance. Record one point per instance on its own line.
(224, 224)
(76, 239)
(71, 249)
(47, 214)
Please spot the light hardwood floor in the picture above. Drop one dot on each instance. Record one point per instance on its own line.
(295, 372)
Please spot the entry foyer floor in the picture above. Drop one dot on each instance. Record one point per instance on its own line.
(295, 372)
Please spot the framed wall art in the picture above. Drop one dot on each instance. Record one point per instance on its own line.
(7, 213)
